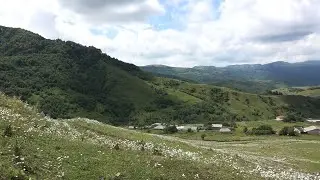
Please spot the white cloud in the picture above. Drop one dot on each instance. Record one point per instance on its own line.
(246, 31)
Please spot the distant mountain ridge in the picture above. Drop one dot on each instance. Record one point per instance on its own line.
(263, 76)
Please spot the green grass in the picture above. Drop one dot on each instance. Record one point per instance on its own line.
(43, 148)
(183, 96)
(300, 152)
(312, 91)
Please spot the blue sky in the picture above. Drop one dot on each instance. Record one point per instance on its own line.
(178, 32)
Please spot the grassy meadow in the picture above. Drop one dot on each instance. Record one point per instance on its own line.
(34, 146)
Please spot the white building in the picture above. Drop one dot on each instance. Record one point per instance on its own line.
(312, 130)
(217, 126)
(225, 130)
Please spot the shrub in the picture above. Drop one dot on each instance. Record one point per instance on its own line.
(263, 130)
(203, 136)
(283, 131)
(170, 129)
(189, 130)
(288, 131)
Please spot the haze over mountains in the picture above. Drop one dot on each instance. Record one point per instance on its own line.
(250, 77)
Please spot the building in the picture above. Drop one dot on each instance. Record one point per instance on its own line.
(186, 127)
(279, 118)
(216, 126)
(312, 130)
(158, 126)
(225, 130)
(313, 121)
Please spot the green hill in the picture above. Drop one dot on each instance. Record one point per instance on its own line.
(66, 80)
(207, 103)
(34, 146)
(255, 78)
(312, 91)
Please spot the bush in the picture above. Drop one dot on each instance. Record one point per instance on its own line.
(189, 130)
(288, 131)
(263, 130)
(203, 136)
(170, 130)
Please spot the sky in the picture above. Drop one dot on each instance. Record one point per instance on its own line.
(181, 33)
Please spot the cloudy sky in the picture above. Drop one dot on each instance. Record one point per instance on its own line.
(178, 32)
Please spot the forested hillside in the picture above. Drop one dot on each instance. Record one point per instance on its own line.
(65, 80)
(254, 78)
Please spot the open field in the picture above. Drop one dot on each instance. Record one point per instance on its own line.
(38, 147)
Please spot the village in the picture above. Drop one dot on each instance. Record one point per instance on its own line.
(311, 127)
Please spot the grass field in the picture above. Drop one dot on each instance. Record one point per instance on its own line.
(300, 152)
(303, 91)
(38, 147)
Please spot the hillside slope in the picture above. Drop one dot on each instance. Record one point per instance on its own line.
(37, 147)
(312, 91)
(65, 79)
(251, 78)
(206, 103)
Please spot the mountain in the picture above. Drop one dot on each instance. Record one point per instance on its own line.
(255, 78)
(67, 80)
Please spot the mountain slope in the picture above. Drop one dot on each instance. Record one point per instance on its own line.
(250, 78)
(66, 79)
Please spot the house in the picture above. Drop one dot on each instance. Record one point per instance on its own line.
(180, 128)
(312, 130)
(131, 127)
(216, 126)
(157, 126)
(186, 127)
(225, 130)
(313, 121)
(279, 118)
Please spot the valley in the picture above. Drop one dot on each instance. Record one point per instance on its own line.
(66, 109)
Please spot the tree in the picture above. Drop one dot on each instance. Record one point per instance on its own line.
(293, 117)
(203, 136)
(170, 129)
